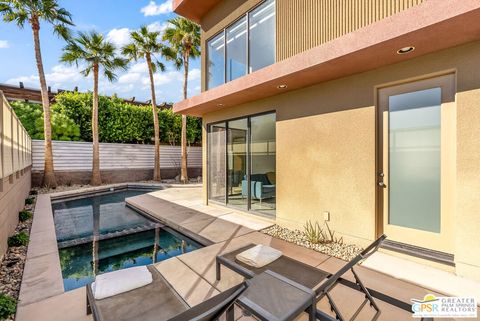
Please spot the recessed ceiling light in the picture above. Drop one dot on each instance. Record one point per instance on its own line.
(405, 50)
(283, 86)
(220, 105)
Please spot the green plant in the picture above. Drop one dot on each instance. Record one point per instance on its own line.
(121, 122)
(31, 117)
(332, 237)
(29, 201)
(314, 232)
(19, 239)
(24, 215)
(8, 306)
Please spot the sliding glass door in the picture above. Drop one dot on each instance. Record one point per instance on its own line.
(241, 163)
(217, 162)
(237, 162)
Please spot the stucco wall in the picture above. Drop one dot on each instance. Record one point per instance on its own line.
(13, 192)
(326, 155)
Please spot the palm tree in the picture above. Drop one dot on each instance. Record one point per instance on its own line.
(184, 38)
(93, 52)
(33, 12)
(146, 45)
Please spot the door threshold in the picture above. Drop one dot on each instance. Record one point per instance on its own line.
(419, 252)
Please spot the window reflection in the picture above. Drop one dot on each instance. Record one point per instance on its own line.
(237, 49)
(250, 148)
(235, 56)
(262, 36)
(216, 61)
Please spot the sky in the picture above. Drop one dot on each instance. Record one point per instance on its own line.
(115, 19)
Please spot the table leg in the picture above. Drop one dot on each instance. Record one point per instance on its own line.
(313, 311)
(230, 314)
(217, 270)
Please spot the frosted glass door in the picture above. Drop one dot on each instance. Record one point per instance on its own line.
(414, 159)
(417, 164)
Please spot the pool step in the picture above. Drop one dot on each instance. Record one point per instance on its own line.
(89, 239)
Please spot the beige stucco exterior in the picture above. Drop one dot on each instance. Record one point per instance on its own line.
(326, 149)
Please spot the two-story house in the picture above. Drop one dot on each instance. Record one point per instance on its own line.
(364, 113)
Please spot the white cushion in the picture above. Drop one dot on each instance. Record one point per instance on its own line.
(116, 282)
(259, 256)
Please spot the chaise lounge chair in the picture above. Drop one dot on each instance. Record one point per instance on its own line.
(319, 281)
(158, 301)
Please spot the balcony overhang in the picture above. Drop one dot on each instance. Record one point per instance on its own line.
(194, 9)
(431, 26)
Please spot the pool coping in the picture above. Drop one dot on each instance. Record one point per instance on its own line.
(42, 275)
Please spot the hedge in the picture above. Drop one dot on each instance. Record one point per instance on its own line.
(119, 122)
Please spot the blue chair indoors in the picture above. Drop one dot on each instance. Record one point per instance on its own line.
(261, 186)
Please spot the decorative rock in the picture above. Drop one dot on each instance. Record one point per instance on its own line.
(342, 251)
(11, 268)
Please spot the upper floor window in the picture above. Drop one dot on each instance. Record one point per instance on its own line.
(243, 47)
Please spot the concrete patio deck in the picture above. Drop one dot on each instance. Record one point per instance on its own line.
(228, 229)
(192, 274)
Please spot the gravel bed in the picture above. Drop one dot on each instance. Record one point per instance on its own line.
(13, 262)
(339, 250)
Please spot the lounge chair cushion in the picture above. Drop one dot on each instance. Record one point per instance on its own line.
(113, 283)
(156, 301)
(259, 256)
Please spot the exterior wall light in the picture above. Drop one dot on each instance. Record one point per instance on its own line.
(405, 50)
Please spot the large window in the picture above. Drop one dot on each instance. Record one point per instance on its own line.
(241, 163)
(216, 61)
(245, 46)
(262, 36)
(237, 49)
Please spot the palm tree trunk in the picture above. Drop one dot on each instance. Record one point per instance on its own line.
(96, 178)
(156, 166)
(48, 171)
(184, 171)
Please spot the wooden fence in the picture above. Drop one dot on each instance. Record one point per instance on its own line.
(77, 156)
(15, 144)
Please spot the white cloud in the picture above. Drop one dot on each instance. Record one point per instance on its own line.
(139, 67)
(119, 37)
(4, 44)
(194, 74)
(154, 9)
(60, 75)
(133, 82)
(129, 78)
(158, 26)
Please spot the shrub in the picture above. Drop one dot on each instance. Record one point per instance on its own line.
(19, 239)
(31, 116)
(314, 232)
(24, 215)
(121, 122)
(29, 201)
(8, 306)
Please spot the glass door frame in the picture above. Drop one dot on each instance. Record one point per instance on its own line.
(441, 241)
(248, 163)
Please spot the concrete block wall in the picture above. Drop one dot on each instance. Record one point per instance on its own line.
(14, 189)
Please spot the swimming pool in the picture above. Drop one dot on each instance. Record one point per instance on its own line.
(99, 233)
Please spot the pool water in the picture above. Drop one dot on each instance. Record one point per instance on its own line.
(99, 234)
